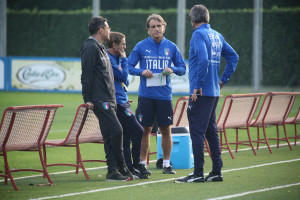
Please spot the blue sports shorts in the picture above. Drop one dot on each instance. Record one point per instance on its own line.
(149, 109)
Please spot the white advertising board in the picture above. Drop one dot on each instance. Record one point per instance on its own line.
(50, 74)
(2, 74)
(63, 75)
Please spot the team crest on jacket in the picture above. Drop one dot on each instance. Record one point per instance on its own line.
(140, 117)
(128, 112)
(167, 51)
(105, 105)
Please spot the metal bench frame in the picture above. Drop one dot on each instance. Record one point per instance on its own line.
(25, 128)
(274, 111)
(85, 129)
(237, 112)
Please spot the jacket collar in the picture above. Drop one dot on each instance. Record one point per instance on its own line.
(92, 38)
(152, 41)
(203, 26)
(112, 55)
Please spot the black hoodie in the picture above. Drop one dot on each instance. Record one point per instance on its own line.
(97, 77)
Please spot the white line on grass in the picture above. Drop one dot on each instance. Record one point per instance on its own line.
(72, 171)
(158, 181)
(63, 172)
(94, 168)
(103, 189)
(254, 191)
(55, 173)
(261, 165)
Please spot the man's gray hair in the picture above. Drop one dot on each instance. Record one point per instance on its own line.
(155, 17)
(199, 14)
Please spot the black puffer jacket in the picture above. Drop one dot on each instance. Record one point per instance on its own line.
(97, 77)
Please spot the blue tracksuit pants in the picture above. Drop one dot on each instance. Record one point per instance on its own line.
(132, 133)
(202, 123)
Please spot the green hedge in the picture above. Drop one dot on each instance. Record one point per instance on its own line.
(141, 4)
(61, 35)
(128, 4)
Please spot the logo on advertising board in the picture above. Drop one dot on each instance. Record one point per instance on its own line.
(41, 75)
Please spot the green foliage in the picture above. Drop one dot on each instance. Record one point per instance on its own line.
(60, 33)
(142, 4)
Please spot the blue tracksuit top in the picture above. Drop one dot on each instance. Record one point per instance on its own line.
(120, 76)
(206, 48)
(155, 57)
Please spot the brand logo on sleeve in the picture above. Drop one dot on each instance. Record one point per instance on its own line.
(149, 51)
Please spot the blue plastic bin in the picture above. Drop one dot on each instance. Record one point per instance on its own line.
(182, 154)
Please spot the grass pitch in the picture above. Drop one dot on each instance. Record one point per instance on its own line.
(265, 176)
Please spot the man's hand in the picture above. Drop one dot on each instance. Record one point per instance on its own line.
(194, 95)
(221, 84)
(122, 53)
(168, 71)
(91, 105)
(148, 73)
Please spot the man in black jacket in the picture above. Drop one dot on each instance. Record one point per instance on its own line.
(98, 92)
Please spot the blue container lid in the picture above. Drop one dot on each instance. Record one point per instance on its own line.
(178, 130)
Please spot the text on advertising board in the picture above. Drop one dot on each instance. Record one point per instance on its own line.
(41, 76)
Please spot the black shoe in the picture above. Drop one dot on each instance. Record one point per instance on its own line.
(137, 174)
(191, 179)
(168, 170)
(125, 172)
(143, 170)
(116, 176)
(214, 177)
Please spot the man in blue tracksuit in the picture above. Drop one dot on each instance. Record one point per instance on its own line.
(155, 55)
(206, 48)
(132, 130)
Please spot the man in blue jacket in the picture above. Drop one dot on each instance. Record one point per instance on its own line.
(206, 48)
(132, 130)
(155, 55)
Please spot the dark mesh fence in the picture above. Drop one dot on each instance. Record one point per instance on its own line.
(60, 32)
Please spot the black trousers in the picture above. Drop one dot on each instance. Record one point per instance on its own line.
(132, 134)
(112, 133)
